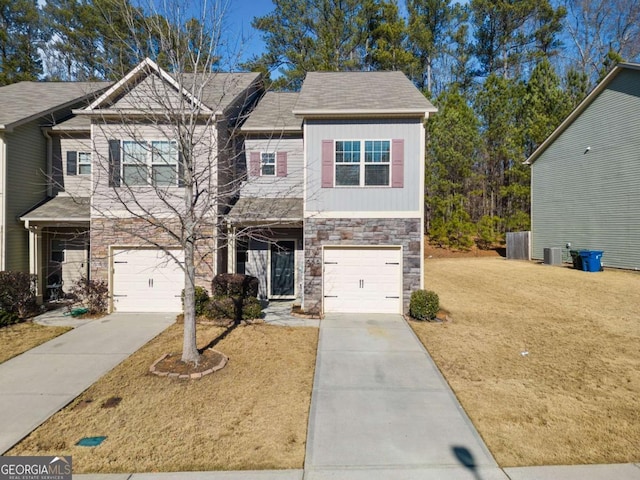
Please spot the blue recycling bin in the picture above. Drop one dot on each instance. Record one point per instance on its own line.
(591, 260)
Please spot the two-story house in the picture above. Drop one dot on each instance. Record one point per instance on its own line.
(332, 209)
(117, 208)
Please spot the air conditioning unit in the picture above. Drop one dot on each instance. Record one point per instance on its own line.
(553, 256)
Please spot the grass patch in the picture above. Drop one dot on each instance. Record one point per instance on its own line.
(18, 338)
(575, 397)
(252, 414)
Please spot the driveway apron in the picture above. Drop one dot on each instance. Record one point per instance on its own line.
(38, 383)
(381, 409)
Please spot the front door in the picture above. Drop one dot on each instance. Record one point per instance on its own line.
(283, 269)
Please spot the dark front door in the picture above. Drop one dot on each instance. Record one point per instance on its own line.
(283, 269)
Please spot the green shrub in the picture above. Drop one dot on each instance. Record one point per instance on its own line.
(93, 294)
(18, 293)
(234, 285)
(424, 305)
(8, 318)
(220, 308)
(202, 299)
(251, 308)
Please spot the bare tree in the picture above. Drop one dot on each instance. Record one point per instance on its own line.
(602, 32)
(164, 145)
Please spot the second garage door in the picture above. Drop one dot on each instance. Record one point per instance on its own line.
(147, 280)
(362, 280)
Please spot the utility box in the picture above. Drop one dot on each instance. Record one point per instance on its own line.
(553, 256)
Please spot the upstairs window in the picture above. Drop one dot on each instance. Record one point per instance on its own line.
(84, 163)
(145, 163)
(362, 163)
(267, 164)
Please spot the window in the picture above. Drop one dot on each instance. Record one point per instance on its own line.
(268, 164)
(164, 165)
(145, 162)
(355, 169)
(57, 251)
(84, 163)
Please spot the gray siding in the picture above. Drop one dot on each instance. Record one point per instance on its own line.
(273, 186)
(592, 199)
(26, 186)
(150, 94)
(360, 199)
(74, 185)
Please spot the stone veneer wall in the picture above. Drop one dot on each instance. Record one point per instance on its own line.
(359, 231)
(126, 232)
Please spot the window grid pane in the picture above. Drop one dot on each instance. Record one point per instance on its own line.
(347, 152)
(377, 151)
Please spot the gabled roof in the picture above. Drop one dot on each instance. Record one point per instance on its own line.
(23, 102)
(212, 93)
(79, 123)
(274, 113)
(344, 94)
(604, 83)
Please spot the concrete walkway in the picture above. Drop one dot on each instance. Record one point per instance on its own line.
(40, 382)
(380, 408)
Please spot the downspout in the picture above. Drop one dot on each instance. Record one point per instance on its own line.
(3, 201)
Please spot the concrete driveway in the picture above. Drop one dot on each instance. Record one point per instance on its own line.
(380, 408)
(38, 383)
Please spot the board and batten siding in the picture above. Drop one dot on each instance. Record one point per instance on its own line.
(365, 199)
(26, 186)
(592, 198)
(289, 186)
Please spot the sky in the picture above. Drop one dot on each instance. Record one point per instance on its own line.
(241, 37)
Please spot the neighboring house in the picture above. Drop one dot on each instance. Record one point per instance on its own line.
(25, 109)
(351, 238)
(585, 176)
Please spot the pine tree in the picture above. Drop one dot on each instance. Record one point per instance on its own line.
(21, 35)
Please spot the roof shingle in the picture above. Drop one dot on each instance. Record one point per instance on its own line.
(348, 93)
(274, 112)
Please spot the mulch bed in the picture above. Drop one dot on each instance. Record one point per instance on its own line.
(171, 365)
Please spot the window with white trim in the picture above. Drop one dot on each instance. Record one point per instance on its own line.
(362, 163)
(84, 163)
(154, 162)
(267, 164)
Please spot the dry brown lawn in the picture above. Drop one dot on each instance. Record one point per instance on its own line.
(18, 338)
(575, 397)
(252, 414)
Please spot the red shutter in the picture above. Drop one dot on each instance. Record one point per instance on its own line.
(254, 164)
(397, 163)
(281, 164)
(327, 164)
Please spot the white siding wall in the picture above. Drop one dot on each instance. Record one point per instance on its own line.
(145, 198)
(290, 186)
(74, 185)
(592, 199)
(364, 199)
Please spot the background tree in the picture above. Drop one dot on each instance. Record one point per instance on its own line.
(21, 35)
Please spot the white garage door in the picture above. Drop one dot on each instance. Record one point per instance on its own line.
(366, 280)
(147, 280)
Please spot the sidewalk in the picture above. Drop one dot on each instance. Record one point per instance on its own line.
(41, 381)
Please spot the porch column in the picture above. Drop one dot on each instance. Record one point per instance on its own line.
(35, 261)
(231, 249)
